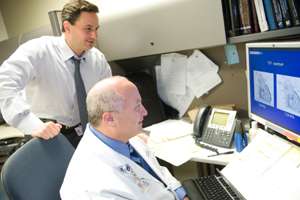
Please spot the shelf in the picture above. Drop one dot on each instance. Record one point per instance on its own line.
(275, 34)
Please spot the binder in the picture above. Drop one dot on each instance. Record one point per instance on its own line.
(285, 13)
(245, 19)
(278, 14)
(294, 12)
(270, 14)
(261, 16)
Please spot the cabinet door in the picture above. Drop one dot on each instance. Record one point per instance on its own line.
(134, 28)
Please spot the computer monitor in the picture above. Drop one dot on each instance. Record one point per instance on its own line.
(273, 73)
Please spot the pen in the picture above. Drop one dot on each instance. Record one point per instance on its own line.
(227, 152)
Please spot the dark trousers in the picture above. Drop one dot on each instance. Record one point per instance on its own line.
(72, 136)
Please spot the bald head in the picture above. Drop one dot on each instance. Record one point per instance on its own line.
(114, 107)
(107, 96)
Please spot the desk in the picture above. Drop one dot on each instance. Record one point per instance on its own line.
(9, 132)
(12, 138)
(173, 142)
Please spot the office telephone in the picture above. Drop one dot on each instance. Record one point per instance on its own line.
(215, 126)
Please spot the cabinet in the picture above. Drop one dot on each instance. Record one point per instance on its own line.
(135, 28)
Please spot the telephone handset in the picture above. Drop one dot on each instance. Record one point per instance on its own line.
(215, 126)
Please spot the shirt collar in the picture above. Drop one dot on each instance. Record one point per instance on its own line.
(116, 145)
(67, 52)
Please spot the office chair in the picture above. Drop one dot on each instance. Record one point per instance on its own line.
(37, 169)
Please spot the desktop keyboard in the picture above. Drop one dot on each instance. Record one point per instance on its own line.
(213, 188)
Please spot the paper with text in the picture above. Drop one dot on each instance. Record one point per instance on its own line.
(202, 73)
(173, 72)
(180, 79)
(179, 102)
(177, 151)
(167, 136)
(169, 130)
(268, 168)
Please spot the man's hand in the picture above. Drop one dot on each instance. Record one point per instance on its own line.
(47, 131)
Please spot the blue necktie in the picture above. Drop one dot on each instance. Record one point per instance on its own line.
(135, 156)
(80, 93)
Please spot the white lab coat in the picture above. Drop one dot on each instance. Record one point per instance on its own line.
(98, 172)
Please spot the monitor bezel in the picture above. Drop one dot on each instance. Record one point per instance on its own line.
(266, 123)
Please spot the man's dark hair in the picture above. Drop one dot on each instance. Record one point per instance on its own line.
(72, 11)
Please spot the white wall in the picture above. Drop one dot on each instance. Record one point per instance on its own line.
(27, 15)
(3, 32)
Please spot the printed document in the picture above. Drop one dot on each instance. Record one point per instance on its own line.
(180, 79)
(268, 168)
(166, 137)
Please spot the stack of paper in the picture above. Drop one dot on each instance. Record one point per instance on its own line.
(169, 130)
(172, 141)
(268, 168)
(181, 78)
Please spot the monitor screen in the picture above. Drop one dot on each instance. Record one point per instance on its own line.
(273, 71)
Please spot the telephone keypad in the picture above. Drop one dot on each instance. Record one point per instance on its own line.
(217, 137)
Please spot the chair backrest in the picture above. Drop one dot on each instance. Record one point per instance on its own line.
(37, 169)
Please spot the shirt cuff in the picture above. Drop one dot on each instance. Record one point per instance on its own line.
(29, 124)
(181, 193)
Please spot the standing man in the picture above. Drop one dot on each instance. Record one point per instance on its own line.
(111, 162)
(45, 67)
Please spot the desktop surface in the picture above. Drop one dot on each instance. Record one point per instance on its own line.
(173, 141)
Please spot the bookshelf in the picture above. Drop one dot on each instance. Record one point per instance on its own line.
(291, 32)
(236, 20)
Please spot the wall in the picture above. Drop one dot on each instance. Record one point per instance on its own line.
(3, 32)
(232, 90)
(26, 15)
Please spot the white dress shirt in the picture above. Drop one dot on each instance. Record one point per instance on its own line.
(44, 68)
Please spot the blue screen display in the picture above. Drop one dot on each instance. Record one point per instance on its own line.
(275, 85)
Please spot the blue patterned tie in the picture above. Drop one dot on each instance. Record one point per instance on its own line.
(135, 156)
(80, 93)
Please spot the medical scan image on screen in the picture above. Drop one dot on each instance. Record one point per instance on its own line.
(274, 85)
(264, 87)
(288, 94)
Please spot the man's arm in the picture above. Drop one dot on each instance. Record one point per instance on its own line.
(15, 73)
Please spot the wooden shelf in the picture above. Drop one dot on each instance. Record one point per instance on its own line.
(275, 34)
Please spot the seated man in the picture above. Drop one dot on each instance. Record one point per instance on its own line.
(110, 162)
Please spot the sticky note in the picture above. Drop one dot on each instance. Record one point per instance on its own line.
(231, 54)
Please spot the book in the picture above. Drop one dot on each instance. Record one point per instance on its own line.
(294, 12)
(278, 14)
(261, 16)
(255, 25)
(234, 18)
(270, 14)
(226, 11)
(245, 18)
(285, 13)
(254, 21)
